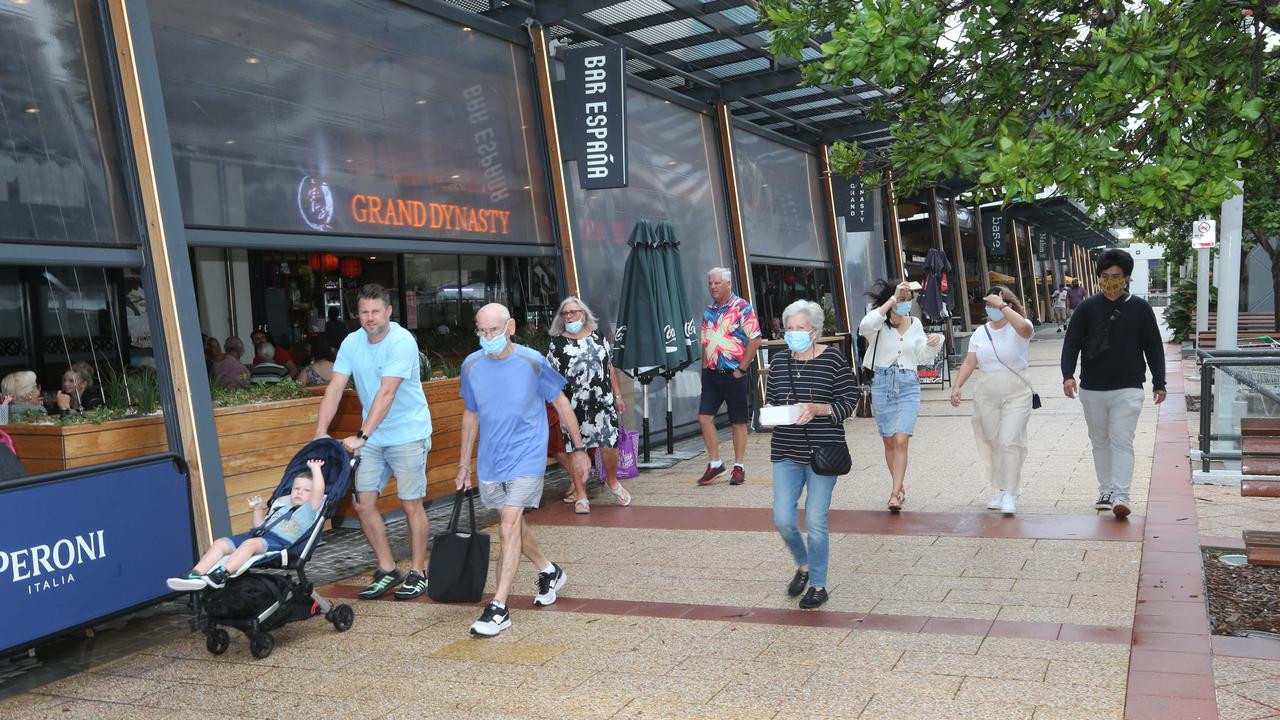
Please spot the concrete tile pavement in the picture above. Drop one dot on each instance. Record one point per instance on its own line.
(687, 622)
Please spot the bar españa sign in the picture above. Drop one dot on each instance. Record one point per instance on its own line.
(595, 91)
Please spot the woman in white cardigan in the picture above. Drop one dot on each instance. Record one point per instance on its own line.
(897, 346)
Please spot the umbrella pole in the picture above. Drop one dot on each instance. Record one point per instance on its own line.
(644, 423)
(671, 433)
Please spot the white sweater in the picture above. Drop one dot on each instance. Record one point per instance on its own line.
(893, 348)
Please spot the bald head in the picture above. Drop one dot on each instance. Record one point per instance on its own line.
(494, 319)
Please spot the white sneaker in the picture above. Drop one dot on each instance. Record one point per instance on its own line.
(995, 500)
(492, 621)
(548, 584)
(191, 582)
(1007, 506)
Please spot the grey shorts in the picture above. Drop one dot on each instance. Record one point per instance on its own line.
(408, 462)
(518, 492)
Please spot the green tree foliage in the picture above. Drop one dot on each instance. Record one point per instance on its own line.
(1144, 105)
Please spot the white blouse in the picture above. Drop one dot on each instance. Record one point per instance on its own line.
(908, 351)
(1009, 347)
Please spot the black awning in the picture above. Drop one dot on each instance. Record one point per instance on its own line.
(1063, 218)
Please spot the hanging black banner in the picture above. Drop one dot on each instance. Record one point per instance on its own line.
(852, 203)
(596, 112)
(995, 233)
(1042, 244)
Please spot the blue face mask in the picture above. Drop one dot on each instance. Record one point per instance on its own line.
(798, 340)
(996, 314)
(494, 345)
(574, 326)
(903, 308)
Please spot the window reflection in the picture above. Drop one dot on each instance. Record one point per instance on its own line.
(777, 286)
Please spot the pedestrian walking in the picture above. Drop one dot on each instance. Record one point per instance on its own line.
(394, 435)
(818, 380)
(1111, 334)
(899, 347)
(998, 358)
(1075, 296)
(582, 355)
(730, 339)
(505, 388)
(1060, 307)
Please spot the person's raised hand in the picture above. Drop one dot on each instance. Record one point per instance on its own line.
(315, 464)
(903, 291)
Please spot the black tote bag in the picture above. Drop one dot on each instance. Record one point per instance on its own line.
(459, 558)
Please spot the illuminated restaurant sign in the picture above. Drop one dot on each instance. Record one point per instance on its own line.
(323, 208)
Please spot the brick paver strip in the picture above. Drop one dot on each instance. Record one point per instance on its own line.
(865, 522)
(1066, 632)
(1171, 663)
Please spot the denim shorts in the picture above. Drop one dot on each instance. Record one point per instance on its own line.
(895, 399)
(274, 542)
(408, 462)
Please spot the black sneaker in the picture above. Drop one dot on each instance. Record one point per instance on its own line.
(383, 581)
(814, 598)
(710, 475)
(739, 475)
(548, 583)
(492, 621)
(798, 583)
(217, 578)
(1103, 503)
(1121, 508)
(414, 585)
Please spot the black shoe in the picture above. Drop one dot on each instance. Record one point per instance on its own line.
(217, 578)
(710, 475)
(492, 621)
(814, 598)
(383, 581)
(798, 583)
(738, 476)
(1103, 502)
(414, 585)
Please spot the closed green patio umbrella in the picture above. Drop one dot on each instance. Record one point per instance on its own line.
(681, 320)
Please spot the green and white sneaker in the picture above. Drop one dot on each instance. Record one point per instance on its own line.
(191, 582)
(414, 586)
(383, 581)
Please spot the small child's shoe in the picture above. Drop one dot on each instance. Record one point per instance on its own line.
(190, 582)
(217, 578)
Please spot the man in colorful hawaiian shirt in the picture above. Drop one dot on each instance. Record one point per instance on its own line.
(730, 338)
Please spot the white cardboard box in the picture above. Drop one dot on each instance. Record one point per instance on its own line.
(772, 416)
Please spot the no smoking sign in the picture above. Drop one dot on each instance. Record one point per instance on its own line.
(1204, 233)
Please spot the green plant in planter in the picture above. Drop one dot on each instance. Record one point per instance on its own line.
(259, 393)
(1180, 316)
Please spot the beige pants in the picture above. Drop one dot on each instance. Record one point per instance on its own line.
(1001, 409)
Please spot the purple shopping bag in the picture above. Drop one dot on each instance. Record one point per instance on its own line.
(628, 455)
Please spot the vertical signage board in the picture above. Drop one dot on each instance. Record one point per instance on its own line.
(595, 96)
(852, 203)
(995, 233)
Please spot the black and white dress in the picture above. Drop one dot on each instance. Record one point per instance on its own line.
(585, 363)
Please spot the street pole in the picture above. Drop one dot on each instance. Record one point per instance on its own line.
(1202, 290)
(1229, 270)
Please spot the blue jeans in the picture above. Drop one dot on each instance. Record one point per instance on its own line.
(789, 479)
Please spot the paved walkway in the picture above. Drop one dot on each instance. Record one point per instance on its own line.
(676, 608)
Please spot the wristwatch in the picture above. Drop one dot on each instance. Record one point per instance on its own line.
(577, 449)
(360, 434)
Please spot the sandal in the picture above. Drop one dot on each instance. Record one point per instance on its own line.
(582, 506)
(624, 497)
(570, 498)
(896, 500)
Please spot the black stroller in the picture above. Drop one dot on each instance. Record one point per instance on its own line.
(258, 602)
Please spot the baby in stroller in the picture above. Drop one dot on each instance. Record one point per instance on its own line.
(288, 519)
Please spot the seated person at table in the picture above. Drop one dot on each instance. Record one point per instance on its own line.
(21, 392)
(289, 519)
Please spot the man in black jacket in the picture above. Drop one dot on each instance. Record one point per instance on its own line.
(1112, 332)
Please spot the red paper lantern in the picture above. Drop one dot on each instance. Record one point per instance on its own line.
(789, 278)
(322, 262)
(351, 267)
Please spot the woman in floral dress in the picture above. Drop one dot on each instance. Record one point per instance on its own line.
(582, 355)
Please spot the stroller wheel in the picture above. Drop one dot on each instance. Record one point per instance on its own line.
(342, 616)
(218, 641)
(261, 645)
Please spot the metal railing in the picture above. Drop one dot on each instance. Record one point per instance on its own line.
(1250, 368)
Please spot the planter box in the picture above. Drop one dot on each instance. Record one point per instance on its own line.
(256, 443)
(446, 441)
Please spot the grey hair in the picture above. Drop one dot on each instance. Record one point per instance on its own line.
(722, 272)
(588, 319)
(266, 350)
(812, 309)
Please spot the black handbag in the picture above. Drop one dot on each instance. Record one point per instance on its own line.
(459, 558)
(826, 458)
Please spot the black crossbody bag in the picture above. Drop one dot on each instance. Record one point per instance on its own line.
(825, 458)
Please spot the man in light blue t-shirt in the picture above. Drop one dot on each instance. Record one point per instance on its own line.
(394, 435)
(505, 388)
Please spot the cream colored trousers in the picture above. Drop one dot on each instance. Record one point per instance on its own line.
(1001, 409)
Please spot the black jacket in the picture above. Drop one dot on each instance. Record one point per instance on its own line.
(1124, 331)
(935, 303)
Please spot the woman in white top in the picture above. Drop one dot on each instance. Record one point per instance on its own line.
(897, 346)
(1002, 399)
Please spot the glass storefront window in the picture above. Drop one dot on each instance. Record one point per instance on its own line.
(60, 177)
(369, 118)
(777, 286)
(780, 198)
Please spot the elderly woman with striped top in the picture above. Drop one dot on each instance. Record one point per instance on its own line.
(818, 379)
